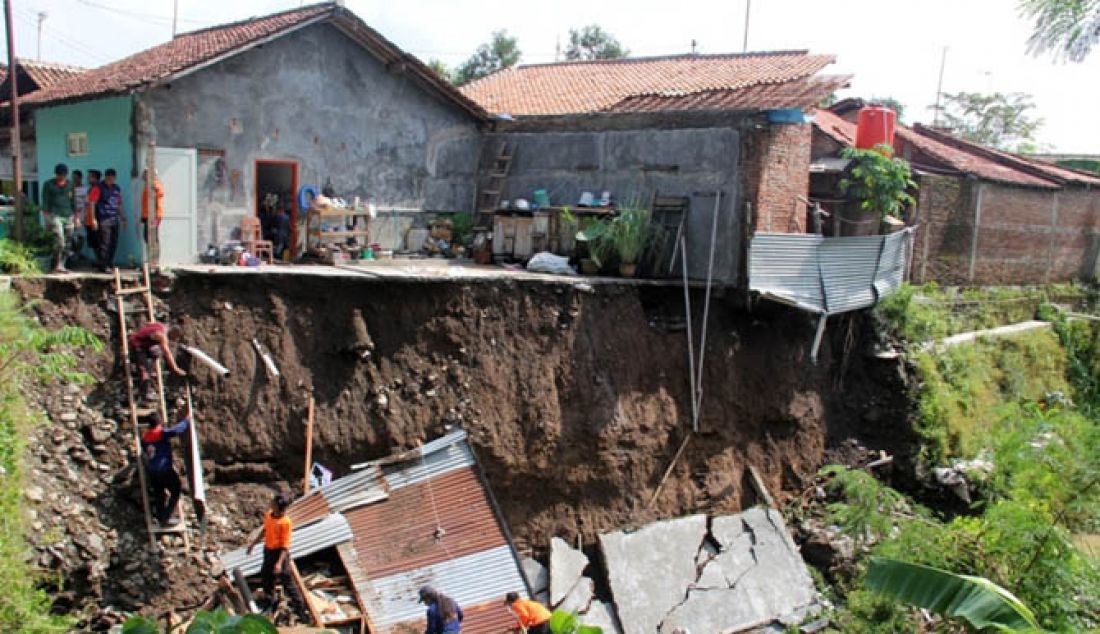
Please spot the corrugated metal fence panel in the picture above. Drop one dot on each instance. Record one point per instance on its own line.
(442, 459)
(471, 580)
(892, 264)
(330, 531)
(848, 272)
(785, 264)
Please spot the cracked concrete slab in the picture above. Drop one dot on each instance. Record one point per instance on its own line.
(580, 597)
(649, 570)
(758, 577)
(567, 564)
(602, 615)
(537, 576)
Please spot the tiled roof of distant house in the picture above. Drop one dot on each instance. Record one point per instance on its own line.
(751, 81)
(956, 154)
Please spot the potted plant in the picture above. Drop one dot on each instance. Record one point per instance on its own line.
(878, 182)
(627, 235)
(589, 245)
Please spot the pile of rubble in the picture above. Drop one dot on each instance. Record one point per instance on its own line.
(733, 573)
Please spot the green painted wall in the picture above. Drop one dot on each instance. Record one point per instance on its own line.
(107, 124)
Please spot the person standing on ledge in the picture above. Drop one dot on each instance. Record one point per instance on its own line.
(58, 198)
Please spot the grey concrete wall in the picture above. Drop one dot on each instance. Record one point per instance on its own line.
(318, 98)
(634, 164)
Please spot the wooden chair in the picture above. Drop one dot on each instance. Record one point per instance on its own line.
(252, 239)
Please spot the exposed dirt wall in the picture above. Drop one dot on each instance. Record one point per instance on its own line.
(575, 400)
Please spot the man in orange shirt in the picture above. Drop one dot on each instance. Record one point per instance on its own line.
(277, 534)
(153, 245)
(533, 617)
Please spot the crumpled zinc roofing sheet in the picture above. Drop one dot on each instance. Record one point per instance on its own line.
(361, 487)
(828, 275)
(479, 578)
(433, 459)
(330, 531)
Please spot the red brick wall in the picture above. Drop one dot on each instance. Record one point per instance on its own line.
(776, 161)
(1024, 236)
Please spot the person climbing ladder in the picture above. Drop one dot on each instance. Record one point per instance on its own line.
(149, 343)
(156, 445)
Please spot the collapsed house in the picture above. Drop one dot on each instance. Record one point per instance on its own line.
(382, 532)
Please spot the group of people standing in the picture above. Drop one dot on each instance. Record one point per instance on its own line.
(69, 204)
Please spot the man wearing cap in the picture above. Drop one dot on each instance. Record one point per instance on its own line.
(58, 198)
(444, 614)
(532, 616)
(277, 534)
(156, 444)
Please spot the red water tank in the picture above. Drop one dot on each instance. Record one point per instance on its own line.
(876, 126)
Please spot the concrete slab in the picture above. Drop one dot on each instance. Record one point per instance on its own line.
(650, 570)
(567, 564)
(580, 597)
(602, 615)
(537, 576)
(758, 577)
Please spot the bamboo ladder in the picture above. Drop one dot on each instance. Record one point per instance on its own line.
(146, 290)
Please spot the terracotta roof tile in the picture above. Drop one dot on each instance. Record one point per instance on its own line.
(647, 83)
(46, 74)
(968, 162)
(179, 54)
(798, 93)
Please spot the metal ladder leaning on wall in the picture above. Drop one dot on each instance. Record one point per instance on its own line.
(145, 289)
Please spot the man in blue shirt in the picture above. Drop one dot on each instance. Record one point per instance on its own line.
(444, 614)
(156, 445)
(109, 215)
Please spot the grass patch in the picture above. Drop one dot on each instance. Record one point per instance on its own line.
(930, 312)
(965, 388)
(28, 352)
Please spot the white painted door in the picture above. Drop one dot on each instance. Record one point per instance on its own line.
(178, 169)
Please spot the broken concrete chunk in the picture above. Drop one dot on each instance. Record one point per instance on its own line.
(650, 569)
(706, 553)
(758, 578)
(602, 615)
(567, 564)
(580, 598)
(537, 577)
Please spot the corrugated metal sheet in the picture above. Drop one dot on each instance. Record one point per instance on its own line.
(436, 459)
(307, 510)
(893, 263)
(848, 272)
(330, 531)
(828, 275)
(478, 578)
(360, 487)
(400, 533)
(785, 265)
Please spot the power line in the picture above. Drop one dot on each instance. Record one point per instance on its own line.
(149, 18)
(30, 18)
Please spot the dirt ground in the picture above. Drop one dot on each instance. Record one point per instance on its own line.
(576, 399)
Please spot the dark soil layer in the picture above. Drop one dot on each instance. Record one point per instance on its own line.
(575, 399)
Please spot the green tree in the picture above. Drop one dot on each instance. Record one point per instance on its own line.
(1001, 120)
(592, 42)
(501, 51)
(440, 69)
(1068, 29)
(878, 181)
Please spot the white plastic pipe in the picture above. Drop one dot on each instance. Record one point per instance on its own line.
(205, 358)
(272, 370)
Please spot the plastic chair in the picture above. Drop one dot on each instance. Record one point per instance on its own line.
(253, 242)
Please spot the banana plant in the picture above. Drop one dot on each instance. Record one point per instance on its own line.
(217, 622)
(562, 622)
(978, 601)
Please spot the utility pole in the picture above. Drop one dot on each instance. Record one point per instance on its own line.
(16, 149)
(38, 52)
(693, 45)
(175, 16)
(745, 44)
(939, 90)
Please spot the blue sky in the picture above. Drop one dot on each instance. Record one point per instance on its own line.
(893, 48)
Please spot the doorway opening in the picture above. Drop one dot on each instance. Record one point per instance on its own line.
(277, 205)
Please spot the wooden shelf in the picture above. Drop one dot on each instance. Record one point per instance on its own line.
(335, 234)
(332, 213)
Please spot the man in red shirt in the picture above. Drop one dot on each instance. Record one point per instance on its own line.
(149, 343)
